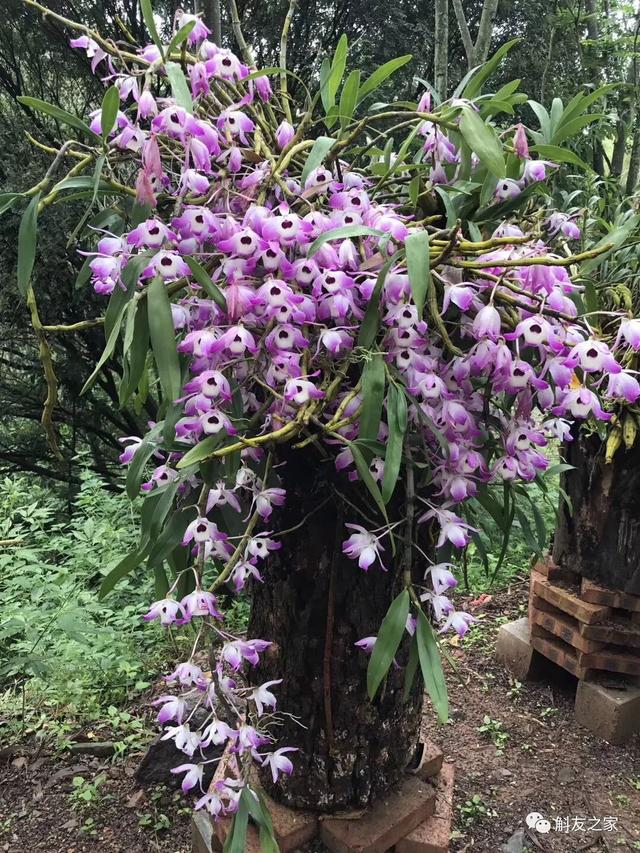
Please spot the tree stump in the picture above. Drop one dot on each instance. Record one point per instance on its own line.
(600, 539)
(315, 606)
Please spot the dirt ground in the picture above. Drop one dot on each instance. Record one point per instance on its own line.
(532, 757)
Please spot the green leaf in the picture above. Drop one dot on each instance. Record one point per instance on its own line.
(163, 342)
(235, 841)
(135, 348)
(349, 97)
(147, 14)
(179, 86)
(172, 535)
(482, 139)
(320, 149)
(431, 667)
(338, 64)
(325, 71)
(119, 297)
(581, 102)
(370, 322)
(202, 450)
(373, 381)
(381, 74)
(180, 37)
(8, 200)
(204, 280)
(417, 250)
(397, 422)
(387, 642)
(474, 87)
(260, 814)
(27, 241)
(560, 155)
(126, 565)
(59, 115)
(543, 118)
(615, 238)
(412, 666)
(370, 483)
(571, 128)
(109, 113)
(342, 233)
(135, 472)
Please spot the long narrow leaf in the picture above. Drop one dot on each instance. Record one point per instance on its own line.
(431, 667)
(397, 422)
(373, 382)
(206, 283)
(27, 241)
(59, 115)
(481, 138)
(417, 250)
(179, 86)
(109, 112)
(163, 340)
(381, 74)
(387, 642)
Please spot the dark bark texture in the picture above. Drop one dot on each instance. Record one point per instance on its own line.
(601, 538)
(314, 605)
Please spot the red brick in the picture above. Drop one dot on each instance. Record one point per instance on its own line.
(566, 601)
(613, 659)
(548, 569)
(558, 652)
(618, 634)
(387, 821)
(434, 834)
(563, 627)
(610, 597)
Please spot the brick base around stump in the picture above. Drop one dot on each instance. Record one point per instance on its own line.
(414, 818)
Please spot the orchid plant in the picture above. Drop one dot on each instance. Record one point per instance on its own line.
(337, 275)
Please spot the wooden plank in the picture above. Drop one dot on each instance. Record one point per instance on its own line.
(568, 602)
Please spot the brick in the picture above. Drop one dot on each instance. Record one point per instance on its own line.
(612, 659)
(431, 759)
(610, 597)
(548, 569)
(388, 820)
(612, 714)
(616, 633)
(568, 602)
(434, 834)
(560, 653)
(515, 651)
(563, 627)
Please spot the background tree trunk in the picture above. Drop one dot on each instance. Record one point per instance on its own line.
(601, 539)
(441, 49)
(315, 606)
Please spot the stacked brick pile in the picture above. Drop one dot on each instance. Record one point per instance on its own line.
(584, 628)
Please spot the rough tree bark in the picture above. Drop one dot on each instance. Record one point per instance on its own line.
(601, 538)
(212, 15)
(315, 605)
(441, 51)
